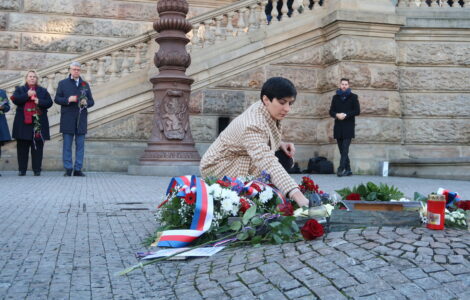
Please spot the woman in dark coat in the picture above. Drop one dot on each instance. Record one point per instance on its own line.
(4, 131)
(31, 126)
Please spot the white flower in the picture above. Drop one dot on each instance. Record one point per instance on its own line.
(233, 196)
(224, 193)
(266, 195)
(216, 191)
(329, 208)
(229, 206)
(300, 212)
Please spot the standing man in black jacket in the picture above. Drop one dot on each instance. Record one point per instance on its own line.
(344, 108)
(74, 96)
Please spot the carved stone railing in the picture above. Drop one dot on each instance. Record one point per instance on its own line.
(136, 54)
(426, 4)
(98, 66)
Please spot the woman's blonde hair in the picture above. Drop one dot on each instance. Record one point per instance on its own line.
(31, 71)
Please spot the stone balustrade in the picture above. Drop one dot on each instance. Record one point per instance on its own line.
(134, 54)
(426, 4)
(239, 19)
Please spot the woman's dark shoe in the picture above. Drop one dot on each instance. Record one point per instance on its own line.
(68, 173)
(347, 173)
(78, 173)
(37, 173)
(21, 173)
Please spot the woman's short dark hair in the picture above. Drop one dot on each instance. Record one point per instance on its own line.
(278, 87)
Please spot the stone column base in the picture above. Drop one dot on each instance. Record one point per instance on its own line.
(170, 170)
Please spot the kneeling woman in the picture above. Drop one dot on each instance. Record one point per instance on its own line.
(31, 126)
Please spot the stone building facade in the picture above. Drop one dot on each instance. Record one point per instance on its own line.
(408, 64)
(39, 33)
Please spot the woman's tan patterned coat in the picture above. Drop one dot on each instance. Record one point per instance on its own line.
(246, 147)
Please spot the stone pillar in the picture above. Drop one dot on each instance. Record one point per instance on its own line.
(170, 150)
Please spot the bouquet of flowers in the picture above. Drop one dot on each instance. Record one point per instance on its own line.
(230, 197)
(83, 97)
(312, 191)
(240, 210)
(456, 218)
(2, 103)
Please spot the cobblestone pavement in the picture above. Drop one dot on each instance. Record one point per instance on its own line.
(66, 238)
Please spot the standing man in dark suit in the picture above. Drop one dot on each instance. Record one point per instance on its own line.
(74, 95)
(344, 108)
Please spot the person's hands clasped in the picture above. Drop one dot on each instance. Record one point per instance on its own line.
(340, 116)
(31, 93)
(288, 149)
(72, 99)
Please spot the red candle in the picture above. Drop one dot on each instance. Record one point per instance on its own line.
(436, 212)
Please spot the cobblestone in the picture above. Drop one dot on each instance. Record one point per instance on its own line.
(68, 237)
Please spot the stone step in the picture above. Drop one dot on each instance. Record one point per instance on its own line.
(457, 168)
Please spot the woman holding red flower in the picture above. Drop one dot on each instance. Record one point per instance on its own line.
(31, 125)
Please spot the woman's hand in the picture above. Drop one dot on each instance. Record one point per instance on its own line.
(288, 149)
(31, 93)
(299, 198)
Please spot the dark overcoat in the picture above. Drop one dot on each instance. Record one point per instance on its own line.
(344, 129)
(70, 122)
(22, 131)
(4, 131)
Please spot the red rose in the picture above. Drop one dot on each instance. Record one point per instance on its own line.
(244, 205)
(286, 209)
(190, 198)
(465, 205)
(353, 196)
(311, 230)
(83, 83)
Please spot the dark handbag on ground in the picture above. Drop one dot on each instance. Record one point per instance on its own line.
(320, 165)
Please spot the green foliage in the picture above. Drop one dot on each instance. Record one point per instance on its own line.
(419, 197)
(372, 192)
(284, 230)
(256, 230)
(249, 214)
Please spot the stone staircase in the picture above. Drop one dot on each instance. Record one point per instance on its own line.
(224, 42)
(405, 58)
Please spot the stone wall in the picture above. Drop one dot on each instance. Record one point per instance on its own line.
(39, 33)
(411, 76)
(433, 60)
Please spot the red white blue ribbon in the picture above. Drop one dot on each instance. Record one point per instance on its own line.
(203, 213)
(249, 191)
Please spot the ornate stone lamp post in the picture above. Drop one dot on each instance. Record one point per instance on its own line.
(170, 150)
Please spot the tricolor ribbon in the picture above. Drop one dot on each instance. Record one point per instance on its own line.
(203, 212)
(451, 197)
(249, 191)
